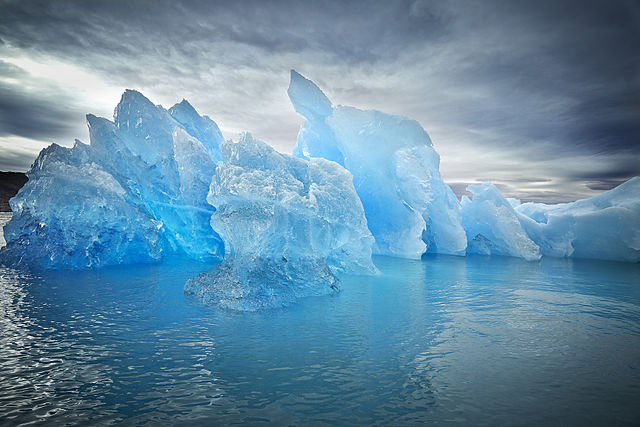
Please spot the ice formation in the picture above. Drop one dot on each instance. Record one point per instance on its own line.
(409, 209)
(136, 194)
(288, 225)
(606, 226)
(492, 225)
(146, 187)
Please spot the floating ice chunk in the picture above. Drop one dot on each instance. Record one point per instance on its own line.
(289, 225)
(140, 187)
(492, 225)
(605, 226)
(409, 209)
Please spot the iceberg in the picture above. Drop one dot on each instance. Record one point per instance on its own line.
(605, 226)
(492, 225)
(409, 208)
(289, 227)
(359, 182)
(72, 213)
(137, 193)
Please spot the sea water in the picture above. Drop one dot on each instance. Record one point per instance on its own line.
(455, 340)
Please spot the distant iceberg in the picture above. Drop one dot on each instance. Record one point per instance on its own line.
(606, 226)
(493, 227)
(289, 225)
(136, 194)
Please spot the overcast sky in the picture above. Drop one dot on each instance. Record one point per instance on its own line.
(540, 97)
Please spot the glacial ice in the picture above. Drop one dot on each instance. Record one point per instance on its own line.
(200, 127)
(409, 209)
(136, 194)
(146, 188)
(492, 225)
(289, 225)
(72, 213)
(606, 226)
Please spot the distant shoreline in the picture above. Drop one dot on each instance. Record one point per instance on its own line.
(10, 183)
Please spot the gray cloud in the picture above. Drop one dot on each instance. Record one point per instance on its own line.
(8, 70)
(508, 90)
(18, 157)
(604, 185)
(351, 31)
(620, 170)
(34, 116)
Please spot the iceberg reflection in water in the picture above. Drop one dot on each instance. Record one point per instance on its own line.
(445, 339)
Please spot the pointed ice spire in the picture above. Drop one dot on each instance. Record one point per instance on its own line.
(132, 104)
(200, 127)
(307, 98)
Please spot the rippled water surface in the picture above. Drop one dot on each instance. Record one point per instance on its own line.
(453, 340)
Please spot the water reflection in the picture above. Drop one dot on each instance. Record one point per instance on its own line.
(445, 339)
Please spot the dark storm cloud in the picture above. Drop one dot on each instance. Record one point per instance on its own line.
(509, 90)
(622, 170)
(15, 160)
(32, 115)
(353, 31)
(562, 71)
(604, 185)
(10, 70)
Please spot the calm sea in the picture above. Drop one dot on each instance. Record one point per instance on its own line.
(447, 340)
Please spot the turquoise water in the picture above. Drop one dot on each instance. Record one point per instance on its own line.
(450, 340)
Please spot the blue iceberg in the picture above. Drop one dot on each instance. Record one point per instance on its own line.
(149, 183)
(136, 194)
(289, 226)
(409, 208)
(606, 226)
(492, 225)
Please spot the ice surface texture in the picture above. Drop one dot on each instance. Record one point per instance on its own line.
(606, 226)
(288, 225)
(136, 194)
(492, 225)
(409, 209)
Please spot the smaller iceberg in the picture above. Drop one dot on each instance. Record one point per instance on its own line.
(289, 226)
(492, 225)
(605, 226)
